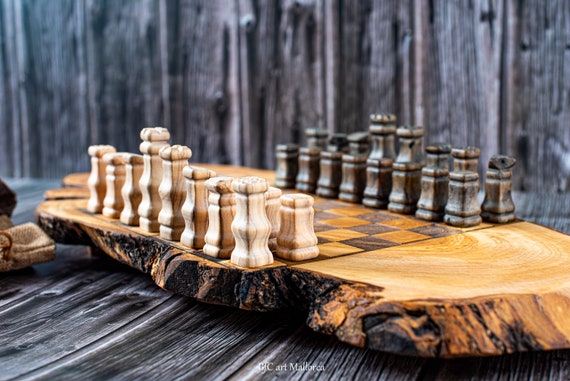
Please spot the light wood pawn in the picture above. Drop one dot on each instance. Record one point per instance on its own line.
(251, 227)
(172, 190)
(113, 202)
(154, 138)
(97, 182)
(272, 208)
(195, 208)
(297, 240)
(134, 165)
(221, 211)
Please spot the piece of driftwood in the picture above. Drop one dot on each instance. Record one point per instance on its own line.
(382, 280)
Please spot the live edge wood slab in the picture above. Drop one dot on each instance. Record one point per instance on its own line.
(382, 280)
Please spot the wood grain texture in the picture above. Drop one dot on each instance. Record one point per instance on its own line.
(485, 291)
(233, 79)
(188, 339)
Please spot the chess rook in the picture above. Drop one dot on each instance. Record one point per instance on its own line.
(219, 239)
(378, 182)
(435, 183)
(330, 174)
(131, 192)
(251, 227)
(383, 131)
(195, 208)
(316, 138)
(498, 206)
(465, 158)
(272, 209)
(353, 178)
(287, 156)
(309, 169)
(154, 138)
(406, 175)
(97, 182)
(297, 240)
(172, 191)
(113, 202)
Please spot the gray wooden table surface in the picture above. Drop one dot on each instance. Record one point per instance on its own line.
(86, 316)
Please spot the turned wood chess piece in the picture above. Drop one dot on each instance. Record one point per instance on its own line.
(317, 138)
(353, 178)
(435, 183)
(297, 240)
(383, 132)
(97, 182)
(359, 144)
(498, 206)
(251, 227)
(330, 172)
(154, 138)
(309, 169)
(134, 165)
(273, 209)
(406, 175)
(115, 168)
(378, 183)
(219, 239)
(195, 208)
(462, 209)
(172, 190)
(287, 156)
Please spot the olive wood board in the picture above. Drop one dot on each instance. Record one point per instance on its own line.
(382, 280)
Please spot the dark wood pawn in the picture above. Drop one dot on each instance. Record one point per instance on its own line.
(330, 175)
(406, 175)
(378, 182)
(466, 158)
(462, 208)
(435, 183)
(287, 156)
(353, 178)
(383, 132)
(498, 206)
(359, 144)
(309, 169)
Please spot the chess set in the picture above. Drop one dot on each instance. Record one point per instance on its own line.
(386, 250)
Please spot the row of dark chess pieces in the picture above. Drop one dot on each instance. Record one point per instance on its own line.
(363, 168)
(243, 219)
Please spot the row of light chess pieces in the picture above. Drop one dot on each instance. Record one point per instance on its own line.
(353, 170)
(242, 219)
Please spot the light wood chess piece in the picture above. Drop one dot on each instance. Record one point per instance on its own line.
(221, 211)
(195, 208)
(297, 240)
(113, 202)
(154, 138)
(251, 227)
(97, 182)
(134, 165)
(172, 190)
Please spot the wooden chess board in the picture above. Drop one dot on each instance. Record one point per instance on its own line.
(382, 280)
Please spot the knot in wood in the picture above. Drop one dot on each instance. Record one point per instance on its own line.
(114, 158)
(221, 184)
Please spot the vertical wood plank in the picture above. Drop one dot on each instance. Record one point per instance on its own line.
(53, 115)
(10, 163)
(538, 91)
(461, 56)
(203, 80)
(124, 70)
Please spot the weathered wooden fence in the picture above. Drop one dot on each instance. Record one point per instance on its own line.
(231, 78)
